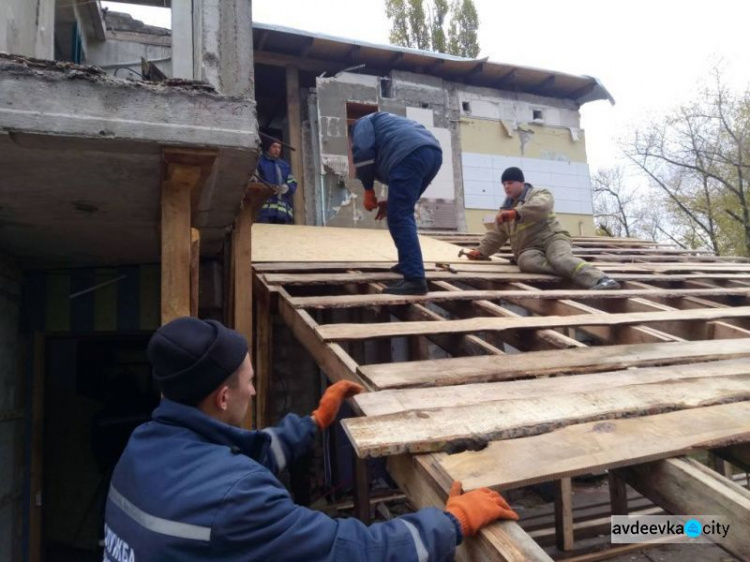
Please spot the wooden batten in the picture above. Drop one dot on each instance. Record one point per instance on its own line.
(684, 486)
(295, 139)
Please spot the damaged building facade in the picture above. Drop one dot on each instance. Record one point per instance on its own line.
(119, 197)
(487, 116)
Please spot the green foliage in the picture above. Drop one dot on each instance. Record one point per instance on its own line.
(419, 28)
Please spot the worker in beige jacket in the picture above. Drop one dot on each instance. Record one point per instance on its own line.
(537, 239)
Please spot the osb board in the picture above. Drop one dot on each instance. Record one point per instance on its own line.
(293, 243)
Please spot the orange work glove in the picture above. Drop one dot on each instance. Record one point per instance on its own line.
(477, 508)
(331, 401)
(506, 216)
(382, 210)
(371, 202)
(474, 255)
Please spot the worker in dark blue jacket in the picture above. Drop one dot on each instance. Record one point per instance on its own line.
(279, 208)
(192, 485)
(404, 155)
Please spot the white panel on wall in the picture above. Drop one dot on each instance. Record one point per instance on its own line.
(421, 115)
(569, 182)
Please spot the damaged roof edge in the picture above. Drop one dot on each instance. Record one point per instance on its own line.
(592, 88)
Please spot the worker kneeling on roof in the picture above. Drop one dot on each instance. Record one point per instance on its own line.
(192, 485)
(537, 239)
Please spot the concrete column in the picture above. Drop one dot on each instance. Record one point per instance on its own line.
(227, 46)
(182, 39)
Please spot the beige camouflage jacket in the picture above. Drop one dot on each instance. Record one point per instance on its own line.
(536, 225)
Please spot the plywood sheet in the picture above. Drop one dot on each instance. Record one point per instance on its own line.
(296, 243)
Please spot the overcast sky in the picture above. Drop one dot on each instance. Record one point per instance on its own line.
(650, 54)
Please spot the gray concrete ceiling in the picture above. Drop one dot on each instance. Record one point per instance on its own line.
(70, 202)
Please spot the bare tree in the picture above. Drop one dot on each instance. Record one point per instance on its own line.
(612, 203)
(699, 158)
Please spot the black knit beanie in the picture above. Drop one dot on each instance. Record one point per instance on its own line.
(192, 357)
(512, 174)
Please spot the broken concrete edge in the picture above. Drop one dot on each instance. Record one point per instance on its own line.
(50, 69)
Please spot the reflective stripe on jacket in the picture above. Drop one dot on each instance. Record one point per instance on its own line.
(190, 488)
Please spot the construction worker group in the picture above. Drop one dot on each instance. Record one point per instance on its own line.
(404, 155)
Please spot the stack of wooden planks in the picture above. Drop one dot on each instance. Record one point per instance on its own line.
(503, 379)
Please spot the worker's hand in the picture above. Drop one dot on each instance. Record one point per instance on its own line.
(506, 216)
(331, 401)
(382, 210)
(474, 255)
(281, 189)
(371, 202)
(477, 508)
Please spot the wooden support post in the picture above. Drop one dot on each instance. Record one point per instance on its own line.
(684, 486)
(243, 282)
(618, 495)
(564, 514)
(195, 259)
(36, 477)
(361, 490)
(295, 139)
(738, 455)
(176, 192)
(720, 465)
(263, 355)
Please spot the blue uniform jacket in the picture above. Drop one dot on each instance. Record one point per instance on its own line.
(380, 141)
(189, 488)
(277, 172)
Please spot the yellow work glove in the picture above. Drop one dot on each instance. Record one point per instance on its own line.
(477, 508)
(331, 401)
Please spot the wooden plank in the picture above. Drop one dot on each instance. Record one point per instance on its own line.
(195, 258)
(566, 307)
(349, 301)
(361, 491)
(600, 445)
(348, 332)
(684, 486)
(405, 399)
(564, 514)
(503, 541)
(298, 243)
(263, 355)
(370, 277)
(242, 282)
(175, 240)
(538, 339)
(464, 370)
(332, 359)
(420, 431)
(294, 124)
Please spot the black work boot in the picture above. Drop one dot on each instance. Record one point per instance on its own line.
(396, 269)
(606, 283)
(407, 287)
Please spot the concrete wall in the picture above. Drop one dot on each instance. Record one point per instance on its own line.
(11, 422)
(336, 195)
(27, 27)
(117, 56)
(542, 136)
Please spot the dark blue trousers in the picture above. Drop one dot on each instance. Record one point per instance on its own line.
(406, 183)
